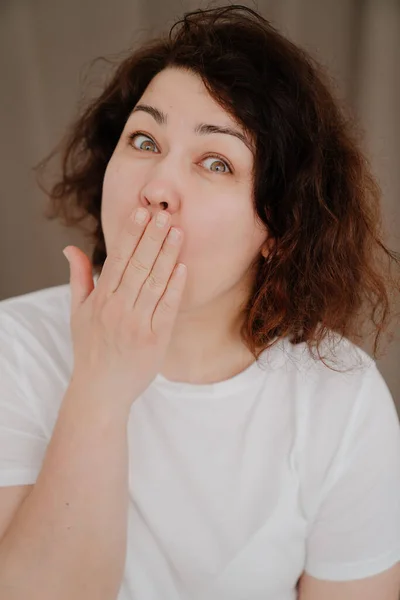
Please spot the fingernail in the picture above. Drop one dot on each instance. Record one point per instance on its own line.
(66, 254)
(140, 215)
(161, 219)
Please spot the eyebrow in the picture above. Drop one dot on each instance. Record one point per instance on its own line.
(201, 129)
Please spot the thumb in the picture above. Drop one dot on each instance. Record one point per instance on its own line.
(81, 277)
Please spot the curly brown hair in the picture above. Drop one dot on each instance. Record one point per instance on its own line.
(313, 186)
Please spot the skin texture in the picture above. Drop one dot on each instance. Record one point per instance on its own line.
(214, 207)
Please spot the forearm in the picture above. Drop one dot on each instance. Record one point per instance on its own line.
(68, 539)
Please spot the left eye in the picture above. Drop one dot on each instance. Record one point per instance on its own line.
(216, 160)
(219, 162)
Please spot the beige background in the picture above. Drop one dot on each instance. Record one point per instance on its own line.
(46, 47)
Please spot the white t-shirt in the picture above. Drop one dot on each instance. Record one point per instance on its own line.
(236, 487)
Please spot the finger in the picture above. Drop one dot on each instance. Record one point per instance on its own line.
(167, 308)
(81, 276)
(155, 284)
(122, 250)
(142, 260)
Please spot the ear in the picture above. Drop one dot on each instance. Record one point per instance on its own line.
(267, 247)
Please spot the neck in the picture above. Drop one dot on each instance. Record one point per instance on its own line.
(206, 346)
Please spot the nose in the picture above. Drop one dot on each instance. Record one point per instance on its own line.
(160, 195)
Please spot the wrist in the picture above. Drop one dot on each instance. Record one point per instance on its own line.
(94, 397)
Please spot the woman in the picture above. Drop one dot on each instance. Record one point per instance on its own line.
(171, 435)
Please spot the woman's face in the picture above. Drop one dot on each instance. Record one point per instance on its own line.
(209, 197)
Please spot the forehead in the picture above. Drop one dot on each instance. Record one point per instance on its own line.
(182, 92)
(180, 97)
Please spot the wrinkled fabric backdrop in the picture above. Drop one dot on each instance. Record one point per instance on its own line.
(46, 49)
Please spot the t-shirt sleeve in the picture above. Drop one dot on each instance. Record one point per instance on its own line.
(22, 439)
(356, 529)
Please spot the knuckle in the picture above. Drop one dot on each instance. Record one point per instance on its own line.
(117, 258)
(154, 283)
(166, 307)
(138, 266)
(153, 238)
(168, 249)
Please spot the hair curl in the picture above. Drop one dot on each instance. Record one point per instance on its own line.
(313, 186)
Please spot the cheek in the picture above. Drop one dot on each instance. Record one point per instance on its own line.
(203, 235)
(223, 241)
(117, 198)
(116, 184)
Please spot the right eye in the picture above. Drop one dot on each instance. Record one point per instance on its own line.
(142, 145)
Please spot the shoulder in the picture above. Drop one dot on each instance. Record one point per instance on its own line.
(35, 366)
(332, 385)
(42, 315)
(345, 417)
(324, 393)
(344, 390)
(36, 354)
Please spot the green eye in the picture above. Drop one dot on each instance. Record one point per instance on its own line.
(218, 169)
(149, 141)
